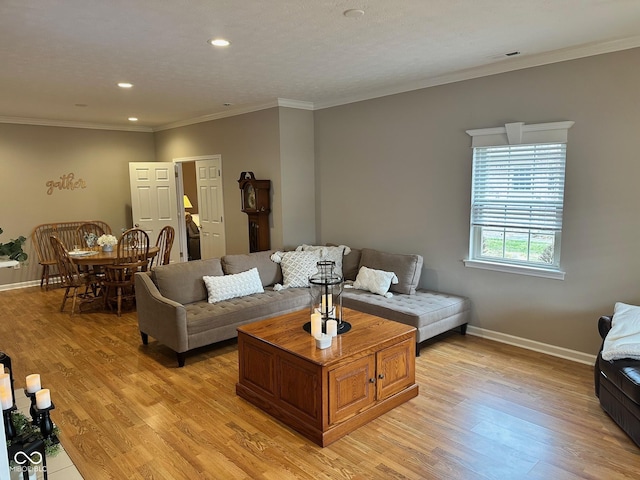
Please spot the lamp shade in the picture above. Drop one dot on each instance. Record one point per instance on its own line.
(187, 202)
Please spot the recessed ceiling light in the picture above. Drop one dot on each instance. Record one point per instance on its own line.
(353, 13)
(133, 119)
(125, 85)
(219, 42)
(227, 104)
(81, 105)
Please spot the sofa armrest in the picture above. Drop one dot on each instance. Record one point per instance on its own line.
(160, 317)
(604, 325)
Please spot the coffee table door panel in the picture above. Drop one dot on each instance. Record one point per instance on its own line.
(299, 388)
(257, 367)
(395, 369)
(351, 388)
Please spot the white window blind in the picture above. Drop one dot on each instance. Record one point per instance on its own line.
(519, 186)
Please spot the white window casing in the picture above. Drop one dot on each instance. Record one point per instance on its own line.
(518, 192)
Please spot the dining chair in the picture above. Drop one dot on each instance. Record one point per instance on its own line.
(132, 252)
(71, 277)
(164, 243)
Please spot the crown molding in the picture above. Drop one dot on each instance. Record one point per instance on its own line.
(69, 124)
(502, 65)
(299, 104)
(232, 112)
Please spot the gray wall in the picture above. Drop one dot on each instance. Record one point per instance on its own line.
(248, 142)
(297, 177)
(394, 173)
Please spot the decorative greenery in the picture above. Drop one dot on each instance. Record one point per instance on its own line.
(13, 249)
(24, 428)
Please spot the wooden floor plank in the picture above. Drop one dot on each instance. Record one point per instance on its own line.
(485, 410)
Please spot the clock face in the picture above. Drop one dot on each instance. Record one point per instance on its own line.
(250, 197)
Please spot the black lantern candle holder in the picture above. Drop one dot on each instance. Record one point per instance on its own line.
(325, 288)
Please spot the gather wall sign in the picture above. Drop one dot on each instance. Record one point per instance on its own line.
(66, 182)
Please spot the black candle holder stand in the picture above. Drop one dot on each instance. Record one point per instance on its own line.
(33, 411)
(9, 427)
(46, 425)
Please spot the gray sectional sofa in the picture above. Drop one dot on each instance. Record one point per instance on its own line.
(172, 304)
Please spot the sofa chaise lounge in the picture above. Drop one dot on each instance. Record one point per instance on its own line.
(172, 300)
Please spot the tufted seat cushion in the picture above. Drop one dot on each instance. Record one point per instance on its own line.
(426, 310)
(207, 321)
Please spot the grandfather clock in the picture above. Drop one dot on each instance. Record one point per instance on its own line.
(256, 204)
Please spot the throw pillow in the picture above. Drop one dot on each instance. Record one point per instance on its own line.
(331, 253)
(232, 286)
(270, 272)
(407, 267)
(375, 281)
(623, 340)
(297, 267)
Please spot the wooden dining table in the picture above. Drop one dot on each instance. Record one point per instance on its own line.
(97, 258)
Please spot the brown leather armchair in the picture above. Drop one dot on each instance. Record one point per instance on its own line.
(617, 385)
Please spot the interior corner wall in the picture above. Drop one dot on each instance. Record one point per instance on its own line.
(405, 185)
(297, 177)
(98, 160)
(247, 142)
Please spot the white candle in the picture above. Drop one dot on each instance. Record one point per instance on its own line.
(327, 303)
(5, 381)
(43, 399)
(6, 400)
(332, 328)
(1, 367)
(316, 324)
(33, 383)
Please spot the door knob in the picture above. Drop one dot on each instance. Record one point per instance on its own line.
(381, 376)
(372, 380)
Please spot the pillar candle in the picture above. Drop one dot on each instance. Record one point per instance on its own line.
(6, 400)
(5, 381)
(316, 324)
(33, 383)
(43, 399)
(332, 328)
(327, 303)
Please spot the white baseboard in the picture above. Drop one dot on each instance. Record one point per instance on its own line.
(13, 286)
(561, 352)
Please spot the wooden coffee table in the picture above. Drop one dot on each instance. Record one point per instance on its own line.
(326, 394)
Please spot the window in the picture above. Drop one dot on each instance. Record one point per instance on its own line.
(517, 198)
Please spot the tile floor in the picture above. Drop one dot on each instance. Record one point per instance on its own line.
(59, 467)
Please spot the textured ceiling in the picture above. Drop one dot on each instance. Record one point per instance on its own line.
(58, 54)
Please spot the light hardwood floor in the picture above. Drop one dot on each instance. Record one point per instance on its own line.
(485, 410)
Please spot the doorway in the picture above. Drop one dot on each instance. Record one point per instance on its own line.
(203, 232)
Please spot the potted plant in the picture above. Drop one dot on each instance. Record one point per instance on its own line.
(13, 249)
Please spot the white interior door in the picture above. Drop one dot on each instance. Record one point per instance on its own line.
(154, 201)
(210, 207)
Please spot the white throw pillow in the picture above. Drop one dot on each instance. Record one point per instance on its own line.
(332, 253)
(223, 287)
(623, 340)
(297, 267)
(375, 281)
